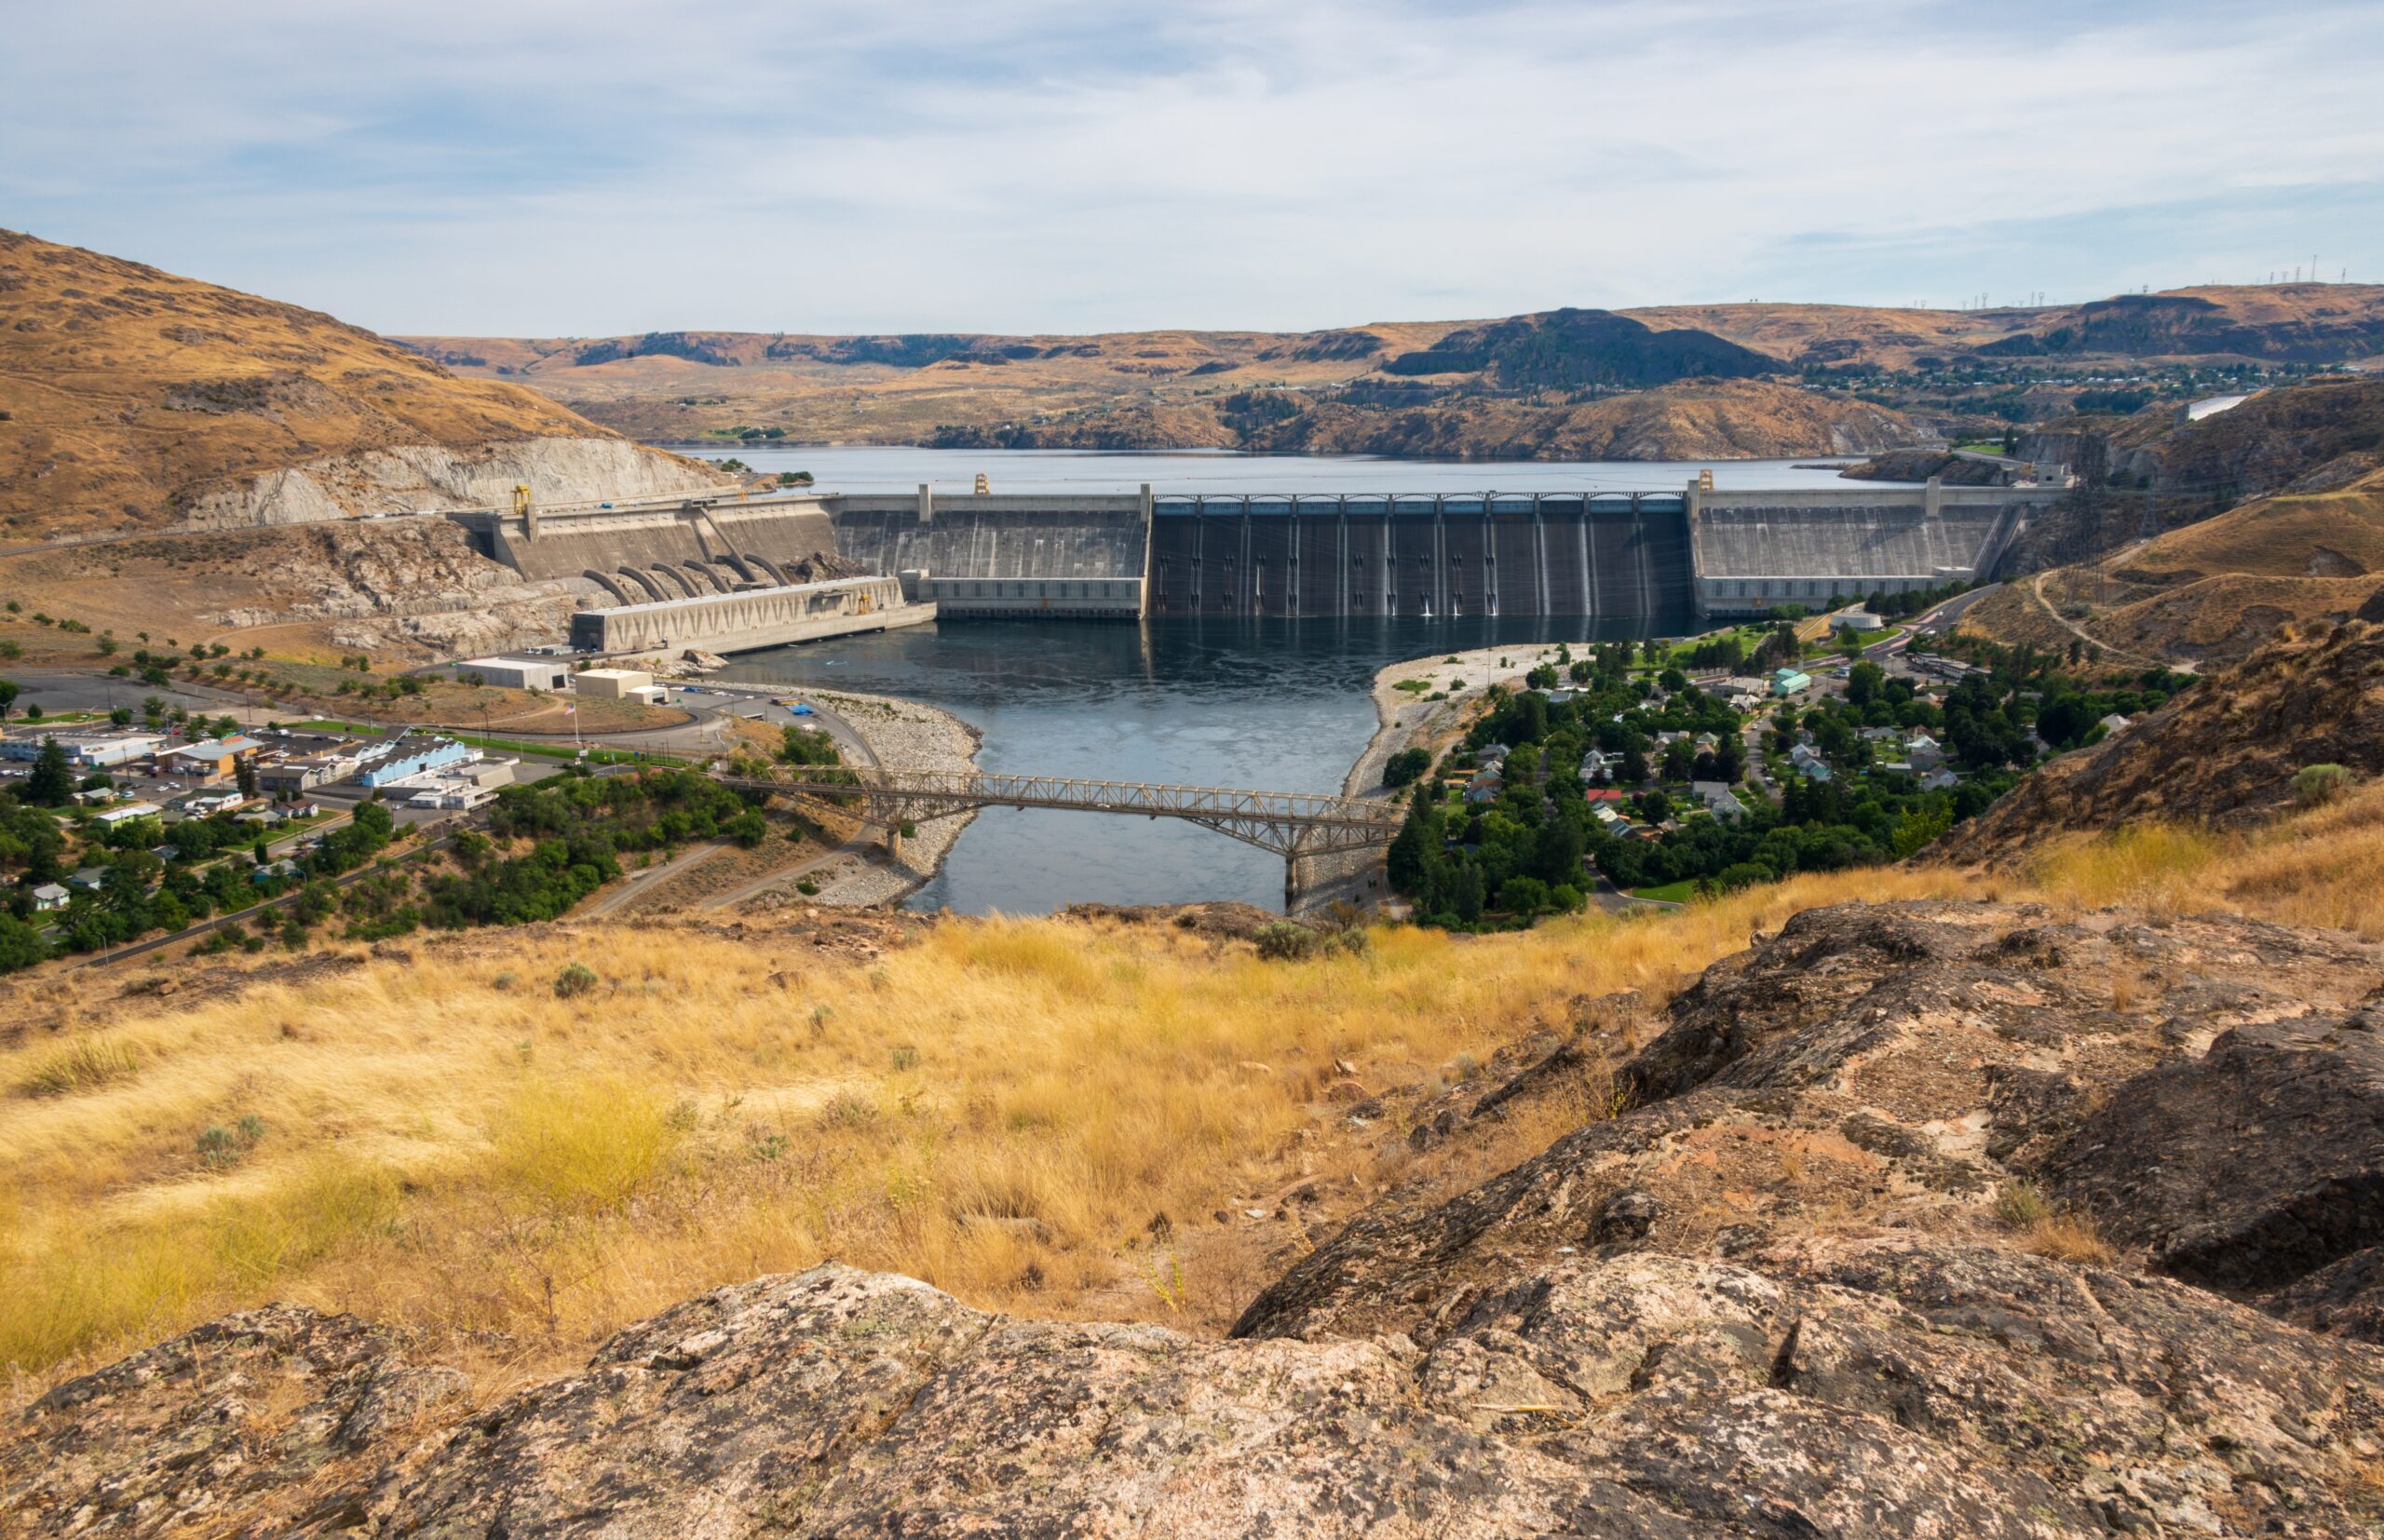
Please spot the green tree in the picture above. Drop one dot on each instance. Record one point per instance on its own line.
(9, 690)
(1865, 682)
(20, 944)
(52, 781)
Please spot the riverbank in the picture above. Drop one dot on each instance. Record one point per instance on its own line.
(1405, 718)
(903, 735)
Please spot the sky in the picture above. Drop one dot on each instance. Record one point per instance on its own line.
(599, 166)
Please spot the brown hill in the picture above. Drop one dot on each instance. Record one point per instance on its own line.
(132, 399)
(2212, 591)
(2223, 752)
(904, 388)
(1698, 419)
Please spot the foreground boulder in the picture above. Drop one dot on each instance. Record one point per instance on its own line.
(1915, 1064)
(1827, 1386)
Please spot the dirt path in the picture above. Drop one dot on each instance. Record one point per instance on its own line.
(640, 883)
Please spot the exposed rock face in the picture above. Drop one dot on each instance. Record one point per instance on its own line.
(2271, 1153)
(411, 477)
(1822, 1387)
(227, 1428)
(2225, 752)
(1902, 1062)
(1764, 1302)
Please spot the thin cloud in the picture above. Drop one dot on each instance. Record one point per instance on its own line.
(587, 168)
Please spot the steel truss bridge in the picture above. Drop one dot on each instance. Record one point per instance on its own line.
(1292, 824)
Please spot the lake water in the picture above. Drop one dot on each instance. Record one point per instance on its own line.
(1277, 706)
(879, 468)
(1269, 705)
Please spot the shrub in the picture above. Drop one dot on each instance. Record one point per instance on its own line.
(1404, 766)
(89, 1062)
(2316, 785)
(1284, 941)
(578, 979)
(2020, 1205)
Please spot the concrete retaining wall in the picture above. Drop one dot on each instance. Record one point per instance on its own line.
(743, 622)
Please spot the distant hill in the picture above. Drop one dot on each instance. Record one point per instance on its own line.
(1692, 420)
(1150, 389)
(1571, 349)
(2223, 752)
(132, 399)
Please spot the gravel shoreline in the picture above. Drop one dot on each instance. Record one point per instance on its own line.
(903, 735)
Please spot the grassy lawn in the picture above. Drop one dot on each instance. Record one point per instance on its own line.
(1669, 893)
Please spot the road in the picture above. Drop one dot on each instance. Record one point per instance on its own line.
(241, 916)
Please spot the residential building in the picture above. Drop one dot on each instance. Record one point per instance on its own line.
(1922, 752)
(108, 817)
(49, 896)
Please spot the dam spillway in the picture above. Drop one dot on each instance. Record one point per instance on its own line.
(1658, 557)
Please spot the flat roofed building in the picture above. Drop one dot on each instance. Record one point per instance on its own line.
(611, 684)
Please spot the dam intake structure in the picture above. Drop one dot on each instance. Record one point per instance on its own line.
(710, 564)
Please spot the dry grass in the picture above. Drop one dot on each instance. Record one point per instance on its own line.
(1040, 1116)
(1006, 1110)
(2322, 867)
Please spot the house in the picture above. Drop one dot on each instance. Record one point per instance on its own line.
(205, 804)
(1490, 756)
(1809, 763)
(265, 818)
(1598, 761)
(1718, 798)
(49, 896)
(2112, 724)
(1706, 742)
(90, 879)
(97, 796)
(1938, 780)
(272, 869)
(1788, 681)
(1884, 736)
(1485, 788)
(108, 817)
(209, 759)
(1923, 752)
(1597, 796)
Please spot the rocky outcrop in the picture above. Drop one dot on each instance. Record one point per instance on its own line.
(1824, 1386)
(1761, 1294)
(1907, 1063)
(410, 478)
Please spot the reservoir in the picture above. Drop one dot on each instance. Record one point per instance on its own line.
(1264, 704)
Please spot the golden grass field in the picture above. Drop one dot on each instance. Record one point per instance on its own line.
(1003, 1108)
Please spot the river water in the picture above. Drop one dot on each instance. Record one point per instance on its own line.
(1280, 705)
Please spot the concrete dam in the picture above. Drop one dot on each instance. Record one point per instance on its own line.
(724, 567)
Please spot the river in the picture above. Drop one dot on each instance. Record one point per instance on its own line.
(1277, 705)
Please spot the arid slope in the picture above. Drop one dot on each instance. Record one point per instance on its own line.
(132, 399)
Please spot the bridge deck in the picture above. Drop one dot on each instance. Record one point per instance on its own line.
(1290, 823)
